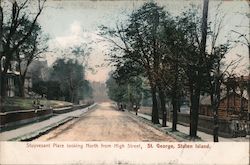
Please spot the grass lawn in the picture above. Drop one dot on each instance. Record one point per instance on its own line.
(12, 104)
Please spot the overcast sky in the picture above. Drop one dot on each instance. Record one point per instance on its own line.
(72, 22)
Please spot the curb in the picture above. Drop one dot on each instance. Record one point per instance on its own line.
(37, 133)
(158, 127)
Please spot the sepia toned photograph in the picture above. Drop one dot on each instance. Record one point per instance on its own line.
(151, 81)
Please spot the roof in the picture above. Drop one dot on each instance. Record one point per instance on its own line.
(233, 93)
(206, 100)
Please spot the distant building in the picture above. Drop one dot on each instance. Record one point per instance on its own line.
(38, 70)
(99, 92)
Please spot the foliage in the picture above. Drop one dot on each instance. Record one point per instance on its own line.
(116, 92)
(49, 88)
(136, 47)
(129, 91)
(70, 75)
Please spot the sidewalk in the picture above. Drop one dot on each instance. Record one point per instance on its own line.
(35, 129)
(204, 136)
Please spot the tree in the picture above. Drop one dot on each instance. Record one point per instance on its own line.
(49, 88)
(127, 91)
(202, 51)
(216, 80)
(244, 40)
(216, 70)
(79, 52)
(190, 57)
(31, 49)
(70, 74)
(116, 92)
(85, 91)
(11, 45)
(138, 42)
(170, 73)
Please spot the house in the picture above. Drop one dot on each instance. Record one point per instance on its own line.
(205, 106)
(37, 71)
(233, 105)
(13, 77)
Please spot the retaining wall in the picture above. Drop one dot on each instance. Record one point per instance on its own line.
(18, 118)
(69, 109)
(14, 119)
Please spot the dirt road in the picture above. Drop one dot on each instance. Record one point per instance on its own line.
(105, 124)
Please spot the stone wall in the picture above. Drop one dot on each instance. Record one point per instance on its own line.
(205, 124)
(14, 119)
(18, 118)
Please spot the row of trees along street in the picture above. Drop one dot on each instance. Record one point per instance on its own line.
(171, 55)
(22, 40)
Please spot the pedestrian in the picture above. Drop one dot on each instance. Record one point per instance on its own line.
(135, 109)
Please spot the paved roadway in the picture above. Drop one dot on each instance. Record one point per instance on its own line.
(105, 124)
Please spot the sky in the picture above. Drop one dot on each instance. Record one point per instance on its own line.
(75, 22)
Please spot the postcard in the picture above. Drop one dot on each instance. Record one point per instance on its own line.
(128, 82)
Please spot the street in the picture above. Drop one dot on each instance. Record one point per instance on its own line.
(105, 124)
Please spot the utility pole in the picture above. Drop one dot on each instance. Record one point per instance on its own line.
(204, 26)
(1, 34)
(215, 86)
(196, 89)
(1, 45)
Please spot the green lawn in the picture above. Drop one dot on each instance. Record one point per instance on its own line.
(12, 104)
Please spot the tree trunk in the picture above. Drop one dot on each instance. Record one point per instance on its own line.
(22, 78)
(175, 113)
(76, 101)
(4, 78)
(214, 103)
(71, 95)
(248, 93)
(3, 84)
(216, 125)
(248, 85)
(21, 86)
(155, 115)
(175, 96)
(6, 65)
(194, 114)
(163, 107)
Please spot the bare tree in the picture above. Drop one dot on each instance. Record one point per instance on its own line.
(10, 48)
(217, 72)
(244, 40)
